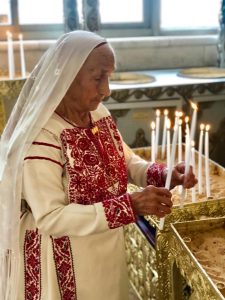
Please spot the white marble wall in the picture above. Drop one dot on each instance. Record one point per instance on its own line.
(138, 53)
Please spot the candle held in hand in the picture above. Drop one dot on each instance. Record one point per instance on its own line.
(164, 133)
(153, 141)
(157, 132)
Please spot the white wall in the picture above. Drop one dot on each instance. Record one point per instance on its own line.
(141, 53)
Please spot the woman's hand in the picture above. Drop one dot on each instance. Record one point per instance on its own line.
(152, 201)
(178, 177)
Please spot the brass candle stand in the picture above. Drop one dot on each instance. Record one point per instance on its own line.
(152, 248)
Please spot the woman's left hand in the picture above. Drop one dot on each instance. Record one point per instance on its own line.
(178, 177)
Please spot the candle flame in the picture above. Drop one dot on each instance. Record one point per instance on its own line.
(181, 114)
(166, 112)
(207, 127)
(194, 105)
(8, 33)
(153, 125)
(20, 36)
(168, 124)
(186, 119)
(177, 113)
(202, 126)
(192, 144)
(157, 112)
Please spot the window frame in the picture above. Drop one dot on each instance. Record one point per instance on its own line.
(29, 31)
(150, 26)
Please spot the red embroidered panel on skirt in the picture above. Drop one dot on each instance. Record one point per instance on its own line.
(64, 267)
(32, 265)
(95, 163)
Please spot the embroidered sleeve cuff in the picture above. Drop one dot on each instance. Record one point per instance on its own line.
(155, 175)
(118, 211)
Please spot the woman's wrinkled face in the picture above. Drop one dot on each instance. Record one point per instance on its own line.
(91, 84)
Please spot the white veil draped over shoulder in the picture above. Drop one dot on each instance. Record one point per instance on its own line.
(41, 94)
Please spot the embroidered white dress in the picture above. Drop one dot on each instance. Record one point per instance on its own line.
(74, 208)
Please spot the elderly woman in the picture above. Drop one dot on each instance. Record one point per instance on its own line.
(62, 154)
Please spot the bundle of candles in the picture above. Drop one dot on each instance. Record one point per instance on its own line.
(168, 149)
(11, 62)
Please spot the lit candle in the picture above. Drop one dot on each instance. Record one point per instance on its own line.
(180, 141)
(164, 133)
(207, 179)
(11, 65)
(168, 142)
(188, 149)
(186, 120)
(157, 132)
(200, 148)
(170, 167)
(22, 58)
(153, 141)
(193, 192)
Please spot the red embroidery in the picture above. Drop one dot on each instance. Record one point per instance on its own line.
(95, 163)
(118, 211)
(46, 144)
(154, 175)
(44, 158)
(64, 267)
(32, 265)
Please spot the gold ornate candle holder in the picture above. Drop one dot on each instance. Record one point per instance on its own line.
(197, 249)
(201, 209)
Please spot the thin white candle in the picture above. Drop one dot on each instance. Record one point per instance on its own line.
(200, 149)
(164, 133)
(153, 141)
(186, 120)
(180, 148)
(22, 57)
(170, 168)
(177, 115)
(180, 141)
(168, 142)
(192, 134)
(11, 65)
(188, 153)
(207, 179)
(157, 132)
(193, 191)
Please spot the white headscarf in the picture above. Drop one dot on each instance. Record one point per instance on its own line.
(40, 96)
